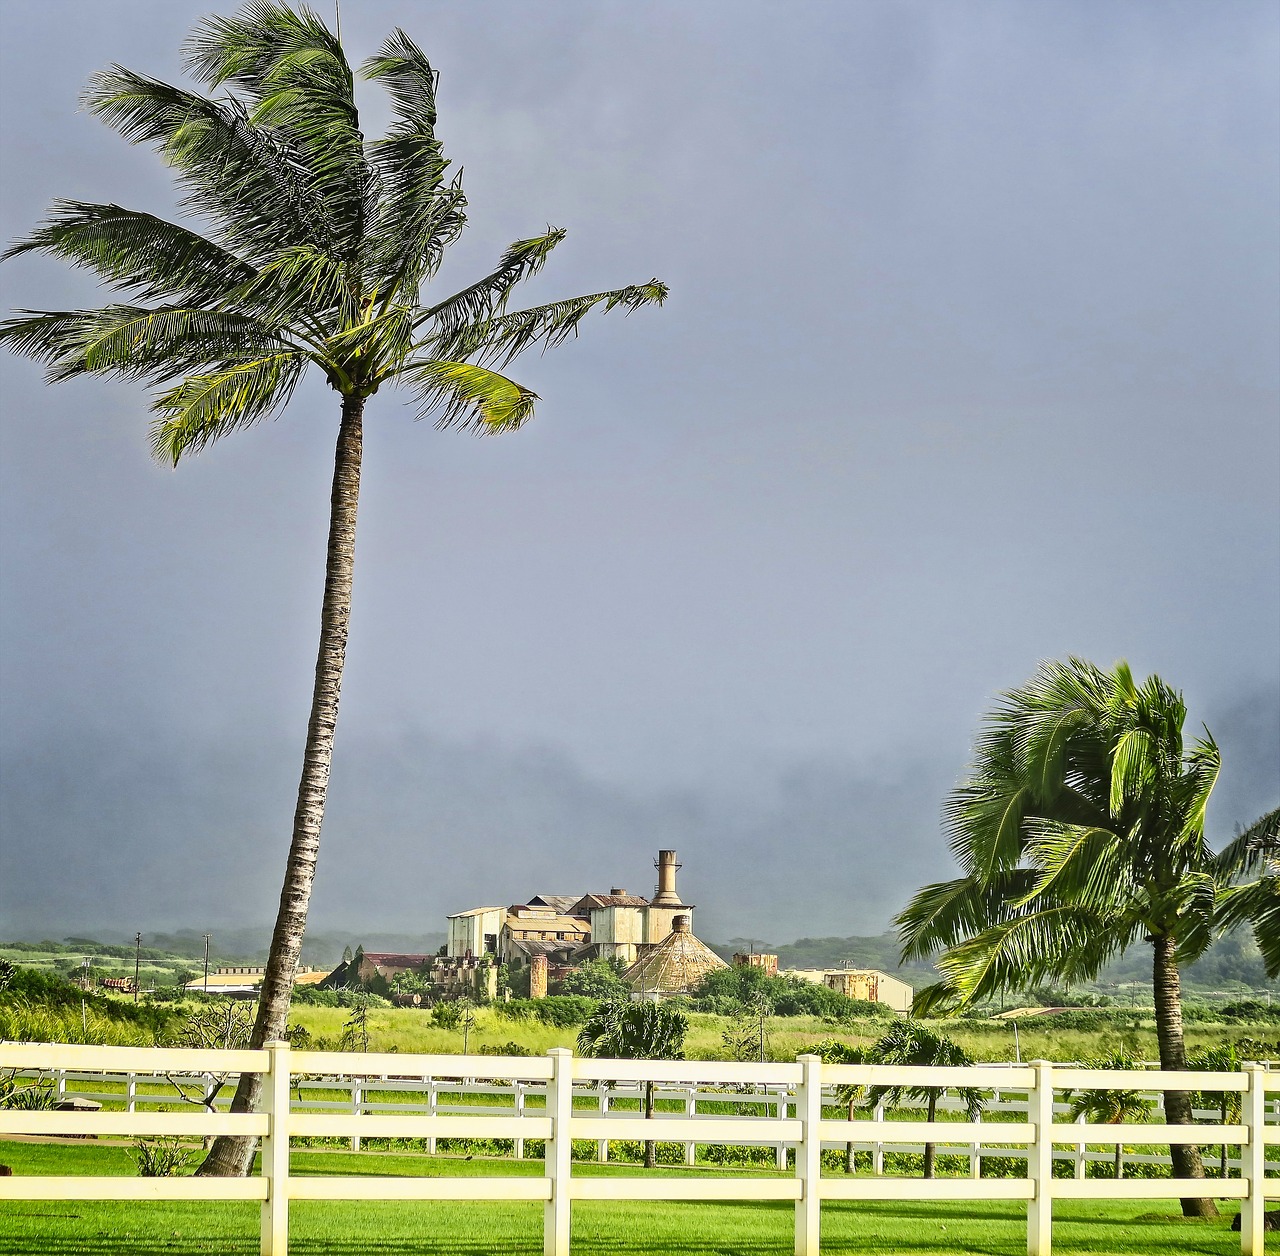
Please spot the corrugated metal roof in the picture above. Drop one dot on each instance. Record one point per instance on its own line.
(674, 966)
(536, 946)
(560, 902)
(590, 901)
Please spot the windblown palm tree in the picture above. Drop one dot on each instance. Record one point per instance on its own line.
(1080, 832)
(313, 249)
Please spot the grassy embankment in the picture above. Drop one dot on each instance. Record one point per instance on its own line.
(52, 1228)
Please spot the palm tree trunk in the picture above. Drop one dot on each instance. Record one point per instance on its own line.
(650, 1146)
(930, 1149)
(1173, 1057)
(850, 1159)
(233, 1156)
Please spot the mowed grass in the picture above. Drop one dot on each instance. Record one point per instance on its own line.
(53, 1228)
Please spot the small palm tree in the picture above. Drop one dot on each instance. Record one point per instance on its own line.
(833, 1051)
(622, 1030)
(1111, 1107)
(314, 251)
(1080, 832)
(912, 1044)
(1223, 1058)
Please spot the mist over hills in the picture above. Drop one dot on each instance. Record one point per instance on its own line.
(108, 834)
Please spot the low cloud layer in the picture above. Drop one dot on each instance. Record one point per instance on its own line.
(123, 833)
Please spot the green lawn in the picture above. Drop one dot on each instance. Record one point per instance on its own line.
(39, 1228)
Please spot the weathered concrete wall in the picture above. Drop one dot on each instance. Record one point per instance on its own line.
(538, 977)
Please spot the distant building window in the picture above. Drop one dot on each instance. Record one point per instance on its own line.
(490, 943)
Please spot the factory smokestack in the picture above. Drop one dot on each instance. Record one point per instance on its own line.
(666, 866)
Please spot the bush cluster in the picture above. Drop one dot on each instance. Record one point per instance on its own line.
(729, 991)
(562, 1011)
(30, 987)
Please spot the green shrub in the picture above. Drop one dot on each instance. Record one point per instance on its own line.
(160, 1157)
(728, 991)
(597, 979)
(559, 1010)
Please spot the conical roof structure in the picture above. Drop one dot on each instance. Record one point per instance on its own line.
(675, 965)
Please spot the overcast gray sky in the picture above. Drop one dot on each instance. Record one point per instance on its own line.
(970, 361)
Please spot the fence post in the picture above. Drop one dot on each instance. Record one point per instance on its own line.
(691, 1110)
(131, 1093)
(1040, 1161)
(275, 1153)
(809, 1157)
(61, 1090)
(602, 1146)
(780, 1151)
(1253, 1162)
(877, 1148)
(559, 1154)
(1081, 1151)
(357, 1107)
(433, 1109)
(975, 1155)
(519, 1093)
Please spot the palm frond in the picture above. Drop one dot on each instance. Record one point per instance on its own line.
(499, 340)
(375, 348)
(137, 252)
(943, 914)
(205, 407)
(301, 283)
(469, 396)
(1132, 767)
(1082, 866)
(1254, 849)
(419, 216)
(1033, 946)
(478, 303)
(246, 178)
(1198, 895)
(293, 69)
(135, 342)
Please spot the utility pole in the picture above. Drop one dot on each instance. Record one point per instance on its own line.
(84, 991)
(137, 963)
(207, 936)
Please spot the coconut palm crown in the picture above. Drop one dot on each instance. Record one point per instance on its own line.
(311, 248)
(319, 249)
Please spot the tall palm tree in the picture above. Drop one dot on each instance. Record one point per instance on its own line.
(915, 1045)
(313, 249)
(1080, 832)
(621, 1030)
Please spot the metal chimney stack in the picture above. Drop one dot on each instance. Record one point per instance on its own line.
(666, 866)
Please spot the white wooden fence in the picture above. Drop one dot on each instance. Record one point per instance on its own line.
(396, 1094)
(1034, 1138)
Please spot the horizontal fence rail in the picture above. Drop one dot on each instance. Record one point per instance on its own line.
(797, 1108)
